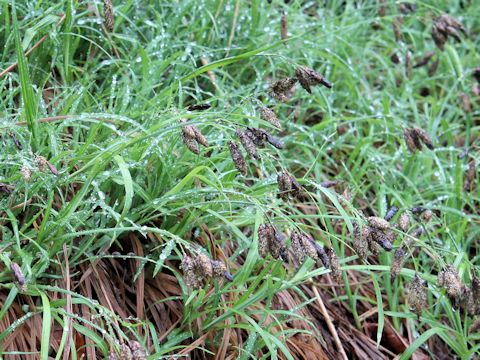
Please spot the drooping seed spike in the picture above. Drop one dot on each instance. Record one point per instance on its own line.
(190, 143)
(449, 279)
(360, 243)
(404, 222)
(247, 144)
(108, 16)
(391, 213)
(203, 266)
(417, 295)
(237, 157)
(334, 265)
(378, 223)
(269, 116)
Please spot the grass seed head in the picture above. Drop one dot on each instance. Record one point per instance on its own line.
(202, 140)
(199, 107)
(335, 265)
(269, 116)
(247, 143)
(125, 352)
(374, 248)
(203, 266)
(265, 235)
(417, 295)
(282, 90)
(26, 173)
(237, 157)
(360, 243)
(285, 185)
(397, 263)
(190, 143)
(424, 60)
(220, 270)
(424, 137)
(308, 77)
(18, 275)
(391, 213)
(309, 247)
(297, 247)
(52, 169)
(41, 162)
(381, 238)
(449, 279)
(432, 70)
(278, 247)
(138, 352)
(275, 142)
(109, 20)
(378, 223)
(189, 276)
(284, 26)
(427, 216)
(469, 182)
(404, 222)
(409, 137)
(188, 129)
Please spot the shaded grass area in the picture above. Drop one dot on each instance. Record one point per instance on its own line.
(100, 244)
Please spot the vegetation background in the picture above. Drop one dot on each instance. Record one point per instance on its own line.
(100, 199)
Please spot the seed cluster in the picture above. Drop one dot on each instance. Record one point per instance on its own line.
(192, 136)
(271, 241)
(200, 268)
(109, 20)
(417, 296)
(133, 351)
(288, 186)
(445, 26)
(415, 138)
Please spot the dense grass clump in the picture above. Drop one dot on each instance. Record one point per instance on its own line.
(239, 179)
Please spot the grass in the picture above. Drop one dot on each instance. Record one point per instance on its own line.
(101, 244)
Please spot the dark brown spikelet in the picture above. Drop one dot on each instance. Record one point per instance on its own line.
(397, 263)
(6, 189)
(449, 279)
(138, 351)
(247, 143)
(275, 142)
(190, 143)
(424, 137)
(258, 136)
(417, 295)
(407, 8)
(360, 243)
(308, 77)
(109, 20)
(284, 26)
(409, 137)
(397, 28)
(18, 275)
(199, 136)
(335, 266)
(188, 130)
(52, 169)
(269, 116)
(391, 213)
(432, 70)
(424, 60)
(237, 157)
(282, 90)
(382, 8)
(220, 270)
(417, 232)
(382, 239)
(284, 182)
(408, 64)
(404, 222)
(277, 247)
(321, 253)
(310, 247)
(445, 26)
(199, 107)
(374, 247)
(469, 182)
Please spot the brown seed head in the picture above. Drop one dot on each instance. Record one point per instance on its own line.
(397, 264)
(424, 137)
(278, 248)
(41, 162)
(247, 143)
(404, 222)
(269, 116)
(108, 15)
(203, 266)
(202, 140)
(125, 352)
(190, 143)
(282, 89)
(285, 185)
(360, 243)
(18, 275)
(308, 77)
(475, 326)
(335, 266)
(26, 173)
(449, 279)
(469, 182)
(297, 247)
(417, 295)
(237, 157)
(138, 351)
(424, 60)
(284, 26)
(427, 215)
(189, 276)
(433, 68)
(378, 223)
(397, 28)
(265, 235)
(410, 136)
